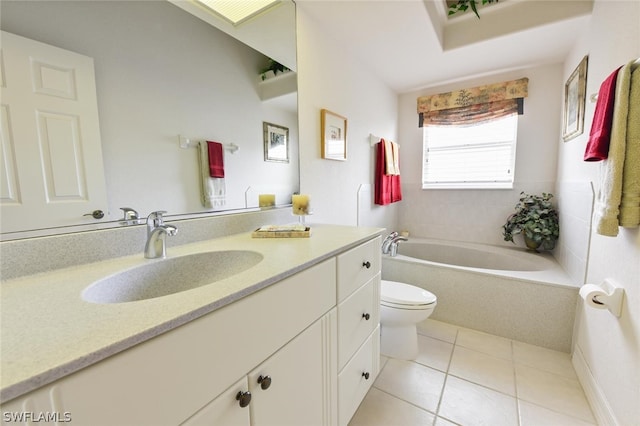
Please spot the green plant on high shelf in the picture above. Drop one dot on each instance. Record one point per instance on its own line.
(463, 5)
(274, 66)
(536, 219)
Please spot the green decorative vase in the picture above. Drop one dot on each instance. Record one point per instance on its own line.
(531, 244)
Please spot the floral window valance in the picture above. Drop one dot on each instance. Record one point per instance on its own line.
(473, 105)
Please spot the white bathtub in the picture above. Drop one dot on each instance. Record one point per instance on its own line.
(505, 291)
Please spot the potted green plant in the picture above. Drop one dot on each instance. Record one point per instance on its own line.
(463, 5)
(536, 219)
(272, 69)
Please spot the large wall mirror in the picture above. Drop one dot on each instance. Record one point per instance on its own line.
(163, 70)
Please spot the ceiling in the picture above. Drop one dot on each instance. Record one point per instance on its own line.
(413, 44)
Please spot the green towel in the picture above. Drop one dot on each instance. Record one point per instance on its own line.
(621, 169)
(630, 203)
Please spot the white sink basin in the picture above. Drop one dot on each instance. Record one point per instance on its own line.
(168, 276)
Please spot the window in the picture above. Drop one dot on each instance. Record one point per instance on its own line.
(479, 155)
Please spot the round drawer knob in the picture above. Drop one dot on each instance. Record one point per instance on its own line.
(365, 375)
(366, 316)
(265, 382)
(244, 398)
(366, 264)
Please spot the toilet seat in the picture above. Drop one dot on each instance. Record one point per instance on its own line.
(404, 296)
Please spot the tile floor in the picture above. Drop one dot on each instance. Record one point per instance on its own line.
(465, 377)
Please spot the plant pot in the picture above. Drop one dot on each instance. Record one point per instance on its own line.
(532, 244)
(267, 75)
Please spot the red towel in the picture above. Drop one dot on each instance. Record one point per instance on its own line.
(387, 187)
(600, 135)
(216, 159)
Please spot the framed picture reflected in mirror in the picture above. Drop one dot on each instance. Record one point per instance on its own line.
(276, 142)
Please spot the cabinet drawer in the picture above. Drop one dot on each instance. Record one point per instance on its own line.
(353, 325)
(352, 383)
(357, 266)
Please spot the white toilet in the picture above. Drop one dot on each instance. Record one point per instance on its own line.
(402, 307)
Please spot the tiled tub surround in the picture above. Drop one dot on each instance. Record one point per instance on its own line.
(48, 331)
(465, 377)
(536, 307)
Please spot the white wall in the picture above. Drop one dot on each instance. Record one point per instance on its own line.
(607, 349)
(330, 78)
(478, 215)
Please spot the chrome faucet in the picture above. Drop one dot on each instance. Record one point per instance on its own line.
(394, 245)
(386, 244)
(131, 216)
(157, 233)
(390, 244)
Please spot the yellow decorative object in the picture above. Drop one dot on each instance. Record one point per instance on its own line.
(476, 95)
(266, 200)
(300, 204)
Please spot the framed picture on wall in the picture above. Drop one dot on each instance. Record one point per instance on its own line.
(574, 98)
(276, 142)
(334, 135)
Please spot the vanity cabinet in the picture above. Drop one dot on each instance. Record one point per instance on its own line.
(167, 379)
(306, 349)
(289, 388)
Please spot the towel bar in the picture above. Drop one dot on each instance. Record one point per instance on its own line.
(594, 96)
(185, 143)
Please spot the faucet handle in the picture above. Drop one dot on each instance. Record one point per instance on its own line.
(155, 219)
(129, 213)
(391, 236)
(157, 215)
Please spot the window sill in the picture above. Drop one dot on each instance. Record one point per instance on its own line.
(469, 185)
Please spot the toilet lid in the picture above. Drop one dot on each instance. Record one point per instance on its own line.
(405, 294)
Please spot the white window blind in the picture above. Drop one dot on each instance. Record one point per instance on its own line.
(474, 156)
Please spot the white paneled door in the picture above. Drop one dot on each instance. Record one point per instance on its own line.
(51, 170)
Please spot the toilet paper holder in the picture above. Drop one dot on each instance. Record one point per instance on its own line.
(610, 297)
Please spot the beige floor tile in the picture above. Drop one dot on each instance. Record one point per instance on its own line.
(411, 382)
(490, 371)
(534, 415)
(485, 343)
(469, 404)
(438, 330)
(434, 353)
(552, 391)
(544, 359)
(383, 361)
(444, 422)
(381, 409)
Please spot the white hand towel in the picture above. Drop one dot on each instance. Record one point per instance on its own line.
(212, 190)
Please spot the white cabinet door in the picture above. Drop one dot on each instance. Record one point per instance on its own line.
(225, 410)
(51, 170)
(296, 386)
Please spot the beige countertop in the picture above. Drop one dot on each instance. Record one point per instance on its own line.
(48, 331)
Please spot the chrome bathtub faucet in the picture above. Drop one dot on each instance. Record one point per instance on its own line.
(390, 244)
(393, 251)
(386, 244)
(157, 231)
